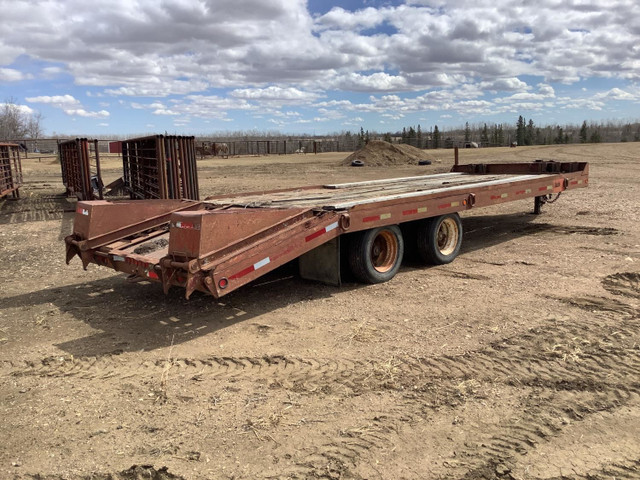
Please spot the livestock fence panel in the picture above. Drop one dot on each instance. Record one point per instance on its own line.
(10, 170)
(80, 165)
(160, 166)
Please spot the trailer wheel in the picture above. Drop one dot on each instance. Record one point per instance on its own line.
(375, 255)
(439, 239)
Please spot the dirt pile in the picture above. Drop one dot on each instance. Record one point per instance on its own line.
(379, 153)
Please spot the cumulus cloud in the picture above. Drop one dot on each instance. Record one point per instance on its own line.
(69, 105)
(81, 112)
(146, 48)
(10, 75)
(275, 93)
(203, 60)
(55, 100)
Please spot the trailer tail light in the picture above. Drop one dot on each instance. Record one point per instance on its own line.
(223, 283)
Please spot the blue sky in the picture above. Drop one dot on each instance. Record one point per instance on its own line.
(205, 66)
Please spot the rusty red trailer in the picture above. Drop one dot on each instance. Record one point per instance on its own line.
(224, 242)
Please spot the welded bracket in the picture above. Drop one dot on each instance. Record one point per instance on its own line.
(72, 250)
(166, 275)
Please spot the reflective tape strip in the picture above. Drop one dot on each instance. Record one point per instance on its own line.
(415, 211)
(326, 229)
(523, 192)
(252, 268)
(261, 263)
(576, 182)
(449, 205)
(117, 258)
(498, 197)
(548, 187)
(375, 218)
(82, 211)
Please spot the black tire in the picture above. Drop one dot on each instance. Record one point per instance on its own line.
(357, 163)
(424, 162)
(439, 239)
(375, 255)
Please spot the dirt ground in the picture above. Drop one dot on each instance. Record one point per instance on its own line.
(519, 360)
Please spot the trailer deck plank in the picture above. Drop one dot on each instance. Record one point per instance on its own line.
(346, 195)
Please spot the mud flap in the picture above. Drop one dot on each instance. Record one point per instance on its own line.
(322, 264)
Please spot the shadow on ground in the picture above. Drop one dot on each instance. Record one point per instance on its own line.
(134, 317)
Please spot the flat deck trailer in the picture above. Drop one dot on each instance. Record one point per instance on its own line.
(224, 242)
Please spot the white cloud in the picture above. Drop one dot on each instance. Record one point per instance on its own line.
(280, 94)
(275, 58)
(144, 48)
(164, 111)
(618, 94)
(55, 100)
(81, 112)
(69, 105)
(10, 75)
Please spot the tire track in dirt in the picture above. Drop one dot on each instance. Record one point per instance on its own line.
(625, 283)
(546, 413)
(561, 352)
(35, 210)
(572, 368)
(136, 472)
(624, 469)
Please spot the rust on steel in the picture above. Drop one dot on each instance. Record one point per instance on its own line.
(224, 242)
(80, 164)
(10, 170)
(160, 167)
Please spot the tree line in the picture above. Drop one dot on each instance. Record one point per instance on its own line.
(16, 124)
(523, 132)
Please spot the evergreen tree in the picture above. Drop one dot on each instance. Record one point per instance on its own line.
(361, 138)
(500, 135)
(560, 136)
(467, 132)
(436, 137)
(484, 136)
(529, 133)
(494, 134)
(387, 137)
(419, 137)
(404, 135)
(583, 132)
(595, 137)
(520, 130)
(411, 136)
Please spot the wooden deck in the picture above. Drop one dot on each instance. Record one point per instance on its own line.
(346, 195)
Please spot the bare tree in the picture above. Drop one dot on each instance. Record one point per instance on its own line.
(34, 126)
(12, 121)
(16, 124)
